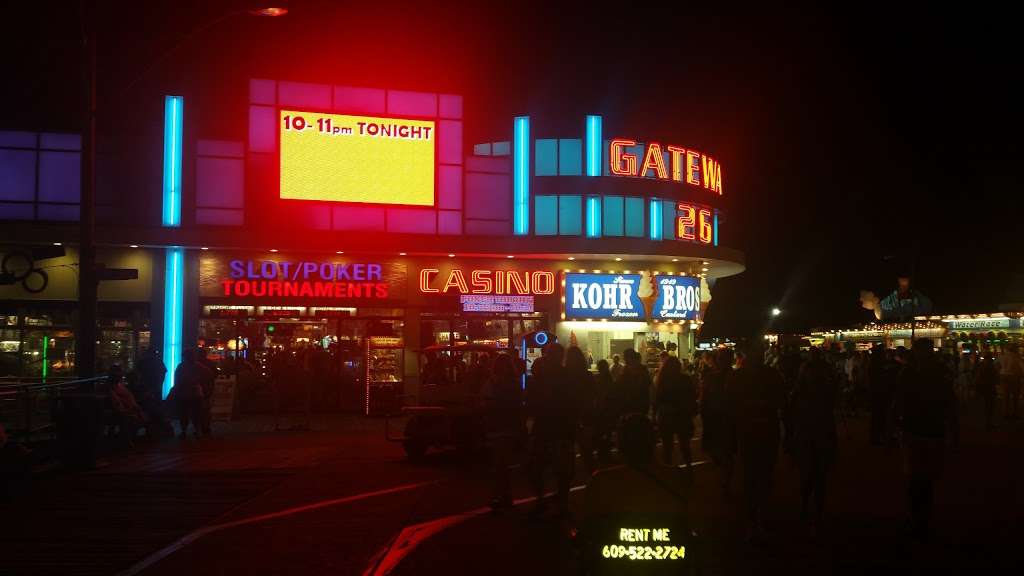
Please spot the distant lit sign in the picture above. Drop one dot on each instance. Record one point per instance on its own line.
(613, 296)
(269, 278)
(227, 311)
(492, 303)
(644, 544)
(458, 281)
(672, 163)
(364, 159)
(282, 311)
(678, 297)
(979, 324)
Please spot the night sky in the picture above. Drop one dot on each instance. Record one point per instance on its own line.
(854, 144)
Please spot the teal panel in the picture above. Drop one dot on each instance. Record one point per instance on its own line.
(613, 215)
(634, 216)
(570, 157)
(545, 220)
(570, 215)
(546, 157)
(668, 212)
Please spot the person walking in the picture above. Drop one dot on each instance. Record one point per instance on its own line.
(616, 367)
(152, 373)
(547, 433)
(925, 410)
(1011, 371)
(757, 394)
(814, 435)
(208, 379)
(604, 410)
(578, 407)
(188, 392)
(718, 434)
(986, 380)
(503, 397)
(675, 406)
(635, 385)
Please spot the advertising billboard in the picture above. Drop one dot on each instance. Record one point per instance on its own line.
(358, 159)
(637, 296)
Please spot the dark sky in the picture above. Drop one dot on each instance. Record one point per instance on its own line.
(854, 143)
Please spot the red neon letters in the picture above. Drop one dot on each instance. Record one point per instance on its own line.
(686, 165)
(694, 223)
(488, 282)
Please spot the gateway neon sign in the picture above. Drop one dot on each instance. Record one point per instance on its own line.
(488, 282)
(684, 165)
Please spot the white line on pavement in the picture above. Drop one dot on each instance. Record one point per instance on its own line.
(197, 534)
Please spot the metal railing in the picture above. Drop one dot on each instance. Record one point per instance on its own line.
(28, 405)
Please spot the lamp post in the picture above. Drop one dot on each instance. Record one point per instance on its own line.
(88, 281)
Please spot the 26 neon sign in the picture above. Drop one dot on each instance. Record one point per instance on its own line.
(488, 282)
(684, 165)
(694, 223)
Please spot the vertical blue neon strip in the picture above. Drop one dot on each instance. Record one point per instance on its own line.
(173, 112)
(656, 223)
(174, 276)
(521, 176)
(594, 145)
(594, 217)
(174, 286)
(714, 230)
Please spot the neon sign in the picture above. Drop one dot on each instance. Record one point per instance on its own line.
(307, 279)
(644, 544)
(684, 165)
(694, 223)
(488, 282)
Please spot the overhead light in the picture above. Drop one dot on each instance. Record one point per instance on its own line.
(704, 269)
(269, 11)
(401, 253)
(207, 248)
(451, 255)
(572, 257)
(618, 259)
(57, 244)
(340, 252)
(133, 245)
(675, 259)
(510, 256)
(273, 249)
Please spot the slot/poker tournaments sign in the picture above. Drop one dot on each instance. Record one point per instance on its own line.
(360, 159)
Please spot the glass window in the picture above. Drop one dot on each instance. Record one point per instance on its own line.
(634, 212)
(570, 157)
(546, 157)
(613, 210)
(570, 215)
(10, 344)
(546, 215)
(48, 353)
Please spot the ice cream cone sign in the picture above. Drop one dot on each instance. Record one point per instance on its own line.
(647, 292)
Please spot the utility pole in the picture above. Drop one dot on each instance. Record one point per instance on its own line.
(85, 343)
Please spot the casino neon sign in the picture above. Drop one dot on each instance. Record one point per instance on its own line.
(683, 165)
(486, 281)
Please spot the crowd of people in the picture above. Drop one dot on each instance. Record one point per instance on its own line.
(753, 405)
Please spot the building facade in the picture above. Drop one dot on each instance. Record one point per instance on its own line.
(358, 220)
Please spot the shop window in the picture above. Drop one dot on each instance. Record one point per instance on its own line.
(10, 344)
(570, 157)
(546, 215)
(570, 215)
(634, 217)
(48, 353)
(613, 215)
(546, 157)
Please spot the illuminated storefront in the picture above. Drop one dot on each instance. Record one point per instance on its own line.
(360, 220)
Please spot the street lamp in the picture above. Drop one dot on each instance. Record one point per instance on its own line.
(776, 311)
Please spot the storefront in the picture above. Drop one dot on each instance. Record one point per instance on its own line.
(39, 312)
(347, 229)
(956, 333)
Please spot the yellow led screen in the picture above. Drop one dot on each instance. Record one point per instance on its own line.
(340, 158)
